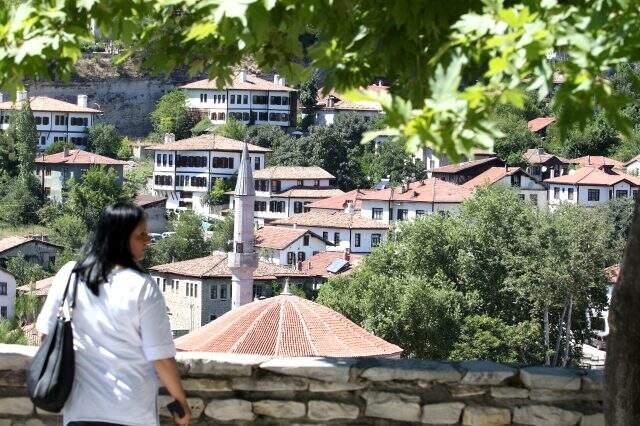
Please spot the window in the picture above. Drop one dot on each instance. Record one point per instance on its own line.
(336, 238)
(163, 180)
(276, 206)
(262, 116)
(203, 98)
(261, 185)
(213, 292)
(301, 256)
(158, 159)
(164, 284)
(59, 138)
(375, 240)
(224, 98)
(285, 100)
(276, 100)
(43, 140)
(276, 185)
(356, 241)
(521, 197)
(260, 100)
(223, 292)
(305, 240)
(556, 193)
(376, 213)
(533, 198)
(221, 116)
(164, 160)
(239, 247)
(61, 120)
(403, 214)
(516, 180)
(325, 236)
(245, 99)
(188, 289)
(47, 191)
(316, 183)
(291, 258)
(195, 290)
(390, 214)
(3, 289)
(170, 160)
(299, 182)
(570, 193)
(3, 311)
(306, 209)
(232, 99)
(43, 121)
(297, 206)
(278, 116)
(419, 213)
(593, 195)
(177, 285)
(222, 162)
(260, 206)
(80, 121)
(535, 170)
(256, 163)
(621, 193)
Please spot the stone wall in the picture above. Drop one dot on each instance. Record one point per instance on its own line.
(227, 389)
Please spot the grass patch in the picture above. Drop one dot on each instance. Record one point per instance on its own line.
(6, 230)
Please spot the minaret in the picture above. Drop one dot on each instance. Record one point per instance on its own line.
(242, 259)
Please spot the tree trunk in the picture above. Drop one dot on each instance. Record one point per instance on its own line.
(622, 367)
(567, 334)
(547, 358)
(556, 354)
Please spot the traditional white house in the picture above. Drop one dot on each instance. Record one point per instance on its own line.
(282, 191)
(346, 229)
(248, 99)
(331, 105)
(185, 170)
(33, 249)
(633, 166)
(527, 187)
(7, 294)
(55, 119)
(590, 186)
(155, 212)
(288, 246)
(542, 165)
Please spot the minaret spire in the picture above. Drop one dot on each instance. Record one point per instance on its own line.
(242, 259)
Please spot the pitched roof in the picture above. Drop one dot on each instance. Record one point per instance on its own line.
(279, 238)
(78, 156)
(539, 123)
(628, 163)
(286, 325)
(597, 161)
(12, 242)
(594, 176)
(293, 173)
(215, 266)
(493, 175)
(145, 200)
(539, 155)
(317, 264)
(331, 219)
(41, 287)
(206, 142)
(306, 192)
(44, 103)
(339, 202)
(459, 167)
(426, 191)
(252, 82)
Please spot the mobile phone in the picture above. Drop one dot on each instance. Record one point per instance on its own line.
(176, 408)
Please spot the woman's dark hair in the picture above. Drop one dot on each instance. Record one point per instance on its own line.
(108, 245)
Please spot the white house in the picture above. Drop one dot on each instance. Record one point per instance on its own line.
(590, 186)
(287, 246)
(542, 165)
(333, 104)
(55, 119)
(35, 250)
(633, 166)
(185, 170)
(344, 228)
(282, 191)
(249, 99)
(526, 186)
(7, 294)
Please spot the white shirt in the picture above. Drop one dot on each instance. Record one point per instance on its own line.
(116, 337)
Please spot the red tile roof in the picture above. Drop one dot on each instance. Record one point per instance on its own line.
(339, 202)
(279, 238)
(12, 242)
(459, 167)
(292, 173)
(78, 156)
(206, 142)
(427, 191)
(331, 219)
(539, 123)
(215, 266)
(44, 103)
(539, 156)
(492, 176)
(304, 192)
(316, 265)
(286, 326)
(41, 287)
(594, 176)
(597, 161)
(145, 200)
(628, 163)
(252, 82)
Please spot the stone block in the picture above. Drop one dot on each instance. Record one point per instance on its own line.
(446, 413)
(208, 385)
(17, 406)
(325, 410)
(411, 369)
(5, 422)
(486, 373)
(466, 391)
(394, 406)
(217, 364)
(274, 383)
(16, 357)
(486, 416)
(279, 409)
(593, 420)
(41, 412)
(550, 378)
(317, 386)
(550, 395)
(34, 422)
(324, 369)
(545, 415)
(229, 409)
(500, 392)
(196, 405)
(13, 378)
(593, 380)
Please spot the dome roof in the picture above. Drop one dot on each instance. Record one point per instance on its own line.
(286, 326)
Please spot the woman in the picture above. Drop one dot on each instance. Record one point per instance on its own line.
(121, 330)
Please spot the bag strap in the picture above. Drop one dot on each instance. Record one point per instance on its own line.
(71, 303)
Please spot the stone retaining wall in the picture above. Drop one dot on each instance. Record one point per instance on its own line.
(231, 389)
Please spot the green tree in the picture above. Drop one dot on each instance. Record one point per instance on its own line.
(391, 159)
(11, 334)
(21, 202)
(217, 194)
(69, 231)
(25, 271)
(308, 92)
(58, 146)
(266, 136)
(186, 243)
(201, 127)
(517, 138)
(124, 152)
(222, 233)
(232, 129)
(27, 307)
(87, 198)
(136, 178)
(597, 137)
(290, 152)
(172, 115)
(104, 139)
(49, 212)
(22, 130)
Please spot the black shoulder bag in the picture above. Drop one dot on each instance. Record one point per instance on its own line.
(50, 375)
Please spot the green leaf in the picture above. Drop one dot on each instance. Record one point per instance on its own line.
(200, 30)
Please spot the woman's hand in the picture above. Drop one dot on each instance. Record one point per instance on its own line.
(184, 420)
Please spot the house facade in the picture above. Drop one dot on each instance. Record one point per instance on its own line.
(185, 170)
(527, 187)
(56, 120)
(55, 170)
(7, 294)
(633, 166)
(198, 291)
(32, 249)
(542, 165)
(248, 99)
(155, 212)
(328, 107)
(288, 246)
(460, 173)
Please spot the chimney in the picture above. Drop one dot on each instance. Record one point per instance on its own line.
(82, 101)
(1, 97)
(349, 209)
(243, 76)
(21, 96)
(329, 101)
(540, 151)
(65, 152)
(276, 79)
(299, 266)
(169, 137)
(282, 81)
(347, 254)
(588, 159)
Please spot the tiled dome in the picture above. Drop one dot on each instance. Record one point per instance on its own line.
(286, 326)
